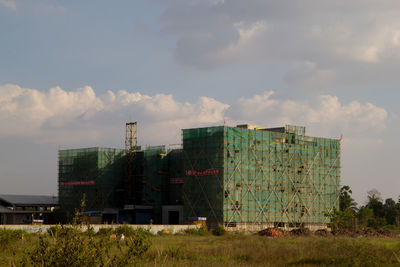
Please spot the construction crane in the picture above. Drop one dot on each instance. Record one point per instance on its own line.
(130, 147)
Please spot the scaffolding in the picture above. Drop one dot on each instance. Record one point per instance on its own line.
(130, 148)
(236, 176)
(154, 178)
(233, 176)
(96, 172)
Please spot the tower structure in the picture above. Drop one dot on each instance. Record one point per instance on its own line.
(130, 147)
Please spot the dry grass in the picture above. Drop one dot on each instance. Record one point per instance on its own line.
(250, 250)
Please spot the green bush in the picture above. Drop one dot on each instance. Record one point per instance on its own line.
(61, 231)
(197, 231)
(9, 236)
(138, 244)
(70, 247)
(54, 230)
(390, 227)
(90, 231)
(67, 249)
(105, 232)
(219, 230)
(128, 231)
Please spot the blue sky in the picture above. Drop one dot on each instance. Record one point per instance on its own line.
(73, 72)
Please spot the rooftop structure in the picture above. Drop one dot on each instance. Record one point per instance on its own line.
(22, 209)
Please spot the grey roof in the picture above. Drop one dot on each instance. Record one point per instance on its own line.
(30, 200)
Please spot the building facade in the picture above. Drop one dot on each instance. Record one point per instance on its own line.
(250, 177)
(244, 177)
(94, 172)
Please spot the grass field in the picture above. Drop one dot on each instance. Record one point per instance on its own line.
(205, 249)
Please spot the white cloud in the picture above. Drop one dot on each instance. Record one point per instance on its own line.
(338, 38)
(59, 116)
(300, 30)
(325, 116)
(8, 4)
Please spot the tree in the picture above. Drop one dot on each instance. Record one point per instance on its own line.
(375, 203)
(344, 217)
(375, 194)
(391, 211)
(341, 219)
(366, 217)
(346, 202)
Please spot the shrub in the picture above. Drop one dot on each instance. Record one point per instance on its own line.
(390, 227)
(219, 230)
(70, 247)
(128, 231)
(90, 231)
(67, 249)
(125, 230)
(62, 231)
(54, 231)
(138, 244)
(197, 231)
(135, 245)
(8, 236)
(105, 232)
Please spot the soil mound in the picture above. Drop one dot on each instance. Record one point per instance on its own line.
(300, 232)
(342, 232)
(363, 233)
(274, 232)
(374, 233)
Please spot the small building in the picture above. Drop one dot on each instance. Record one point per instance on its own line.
(27, 209)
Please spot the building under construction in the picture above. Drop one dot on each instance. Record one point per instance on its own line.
(96, 172)
(243, 177)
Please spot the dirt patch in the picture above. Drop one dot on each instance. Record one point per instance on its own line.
(374, 233)
(363, 233)
(273, 232)
(342, 232)
(276, 232)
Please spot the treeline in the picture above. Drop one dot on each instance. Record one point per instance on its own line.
(376, 213)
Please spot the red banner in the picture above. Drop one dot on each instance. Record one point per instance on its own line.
(77, 183)
(203, 173)
(176, 180)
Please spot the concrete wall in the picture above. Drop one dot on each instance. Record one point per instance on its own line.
(255, 227)
(154, 229)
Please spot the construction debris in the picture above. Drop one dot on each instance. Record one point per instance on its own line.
(273, 232)
(300, 232)
(276, 232)
(364, 233)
